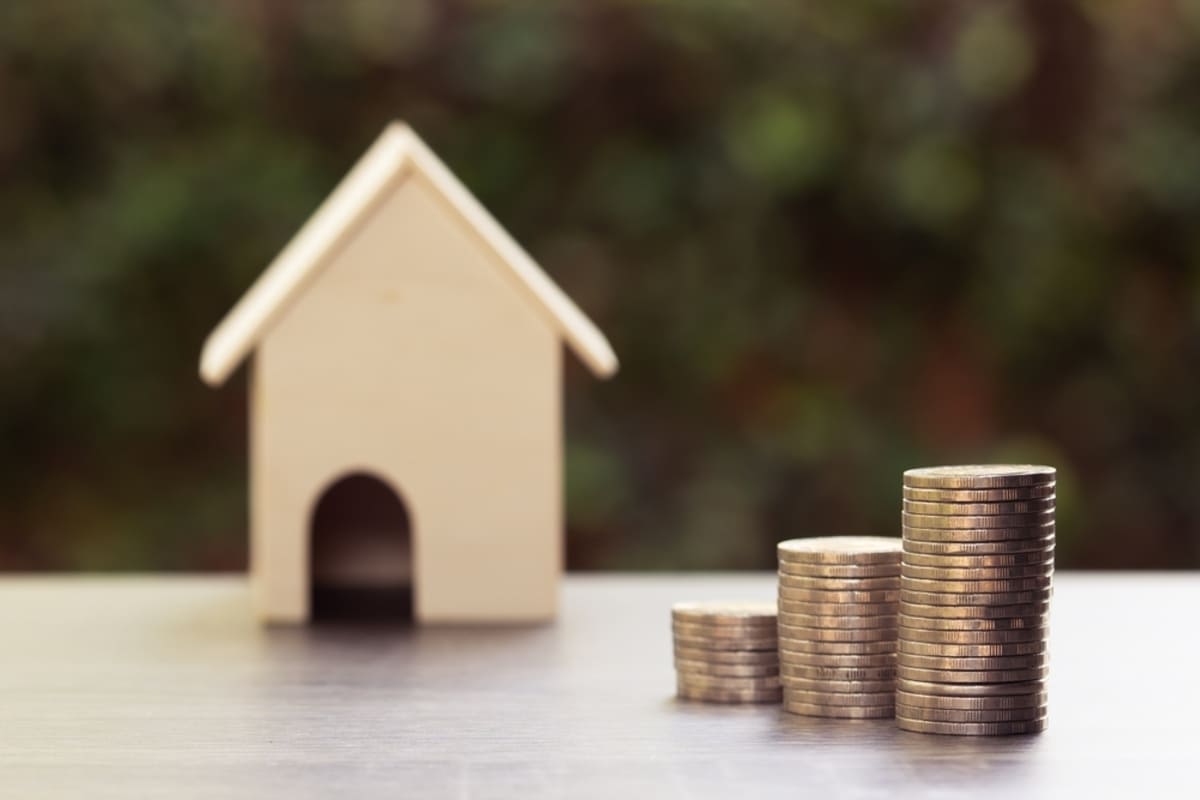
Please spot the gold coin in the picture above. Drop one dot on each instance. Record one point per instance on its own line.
(724, 613)
(840, 550)
(915, 533)
(729, 695)
(979, 495)
(826, 673)
(968, 689)
(885, 698)
(977, 599)
(979, 476)
(964, 664)
(978, 573)
(1035, 622)
(975, 611)
(976, 676)
(980, 509)
(1028, 558)
(1017, 537)
(836, 635)
(724, 630)
(697, 680)
(735, 632)
(757, 643)
(849, 596)
(972, 728)
(959, 637)
(840, 712)
(838, 622)
(726, 670)
(907, 645)
(844, 610)
(838, 584)
(802, 646)
(851, 660)
(975, 587)
(973, 715)
(977, 522)
(689, 653)
(838, 687)
(986, 703)
(1039, 544)
(840, 570)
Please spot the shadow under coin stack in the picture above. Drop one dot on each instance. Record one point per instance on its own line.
(726, 652)
(837, 625)
(975, 594)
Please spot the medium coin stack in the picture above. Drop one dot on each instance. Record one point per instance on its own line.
(837, 625)
(975, 589)
(726, 652)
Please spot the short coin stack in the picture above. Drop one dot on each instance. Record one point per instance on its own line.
(726, 652)
(837, 625)
(974, 598)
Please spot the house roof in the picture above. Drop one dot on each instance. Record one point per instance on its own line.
(396, 155)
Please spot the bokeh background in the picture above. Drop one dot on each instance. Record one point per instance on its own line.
(829, 241)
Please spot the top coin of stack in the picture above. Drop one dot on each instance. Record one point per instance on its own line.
(837, 625)
(975, 592)
(726, 652)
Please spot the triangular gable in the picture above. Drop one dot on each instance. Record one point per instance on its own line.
(395, 156)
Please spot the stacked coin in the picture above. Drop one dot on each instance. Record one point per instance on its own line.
(726, 652)
(837, 625)
(974, 598)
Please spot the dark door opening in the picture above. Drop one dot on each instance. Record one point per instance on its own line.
(361, 566)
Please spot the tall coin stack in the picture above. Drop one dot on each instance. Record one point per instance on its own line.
(726, 652)
(975, 591)
(837, 625)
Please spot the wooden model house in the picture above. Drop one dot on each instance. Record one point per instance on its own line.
(408, 360)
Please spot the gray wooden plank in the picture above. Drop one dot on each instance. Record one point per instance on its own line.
(156, 686)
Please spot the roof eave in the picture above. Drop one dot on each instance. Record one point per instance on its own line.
(373, 176)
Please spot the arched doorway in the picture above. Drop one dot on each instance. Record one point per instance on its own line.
(360, 564)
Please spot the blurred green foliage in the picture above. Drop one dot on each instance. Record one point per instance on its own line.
(829, 241)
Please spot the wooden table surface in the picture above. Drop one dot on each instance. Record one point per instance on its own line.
(151, 686)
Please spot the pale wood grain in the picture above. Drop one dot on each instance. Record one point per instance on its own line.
(166, 687)
(414, 360)
(404, 335)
